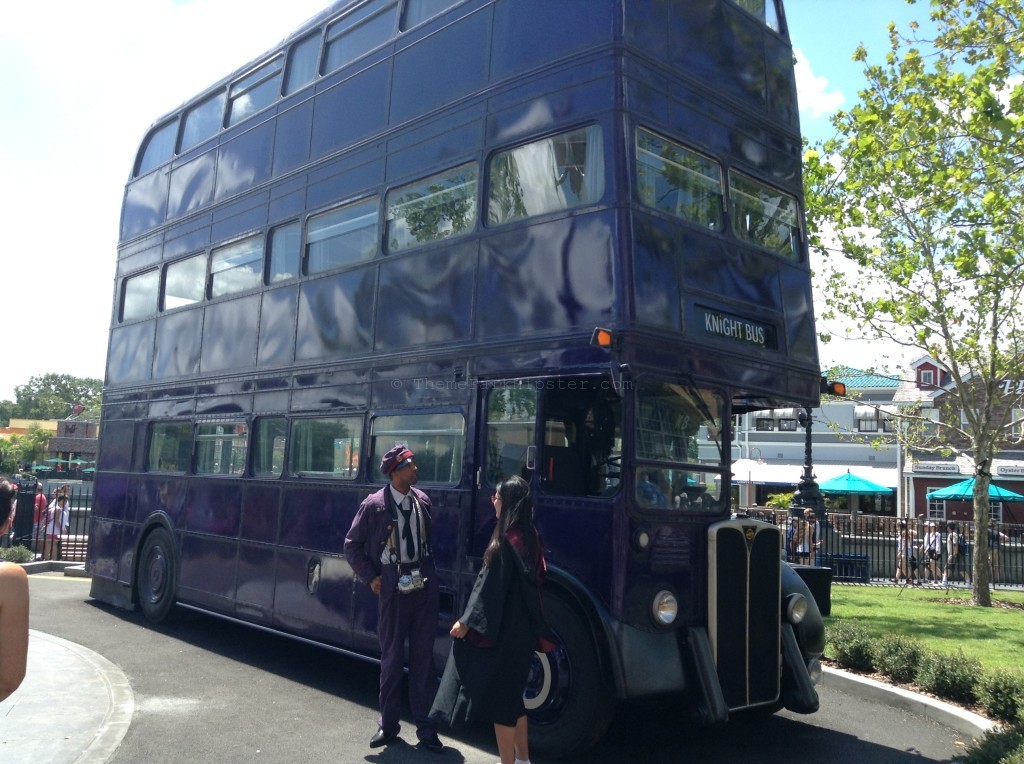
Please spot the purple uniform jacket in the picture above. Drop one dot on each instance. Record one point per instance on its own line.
(372, 526)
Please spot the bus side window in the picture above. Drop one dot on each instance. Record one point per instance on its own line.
(511, 424)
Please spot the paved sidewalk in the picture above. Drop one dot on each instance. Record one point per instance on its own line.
(74, 706)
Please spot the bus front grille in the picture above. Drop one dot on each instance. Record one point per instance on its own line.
(744, 610)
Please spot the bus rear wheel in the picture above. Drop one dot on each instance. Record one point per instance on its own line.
(568, 703)
(155, 576)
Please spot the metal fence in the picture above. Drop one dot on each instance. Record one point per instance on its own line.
(862, 548)
(71, 541)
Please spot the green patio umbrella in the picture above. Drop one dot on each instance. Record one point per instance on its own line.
(964, 491)
(852, 484)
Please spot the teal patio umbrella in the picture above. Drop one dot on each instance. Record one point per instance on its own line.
(852, 484)
(964, 491)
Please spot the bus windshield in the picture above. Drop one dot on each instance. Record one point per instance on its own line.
(673, 421)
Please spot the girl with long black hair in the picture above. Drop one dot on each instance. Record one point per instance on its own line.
(502, 626)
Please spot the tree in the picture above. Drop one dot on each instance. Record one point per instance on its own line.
(916, 203)
(52, 396)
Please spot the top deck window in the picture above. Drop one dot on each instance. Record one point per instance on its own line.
(141, 295)
(302, 63)
(185, 282)
(437, 207)
(552, 174)
(159, 147)
(764, 216)
(765, 10)
(236, 267)
(341, 236)
(255, 91)
(418, 11)
(360, 32)
(202, 121)
(673, 179)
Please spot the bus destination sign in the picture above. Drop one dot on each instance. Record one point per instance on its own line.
(719, 324)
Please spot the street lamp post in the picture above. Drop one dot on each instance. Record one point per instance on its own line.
(807, 493)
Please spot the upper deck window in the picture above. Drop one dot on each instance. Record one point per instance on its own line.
(764, 216)
(170, 447)
(436, 439)
(141, 296)
(236, 267)
(673, 179)
(221, 448)
(185, 282)
(555, 173)
(202, 121)
(158, 148)
(270, 435)
(284, 252)
(765, 10)
(342, 236)
(437, 207)
(255, 91)
(359, 32)
(418, 11)
(302, 63)
(326, 447)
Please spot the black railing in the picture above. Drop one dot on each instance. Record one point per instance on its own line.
(65, 539)
(862, 548)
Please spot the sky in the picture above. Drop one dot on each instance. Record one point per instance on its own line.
(82, 82)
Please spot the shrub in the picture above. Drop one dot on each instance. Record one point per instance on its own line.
(952, 676)
(897, 656)
(1001, 694)
(1005, 746)
(852, 644)
(17, 554)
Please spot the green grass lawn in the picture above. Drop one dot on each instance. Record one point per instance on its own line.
(941, 620)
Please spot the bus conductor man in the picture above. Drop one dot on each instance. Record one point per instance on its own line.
(388, 547)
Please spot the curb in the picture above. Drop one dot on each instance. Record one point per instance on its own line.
(46, 566)
(954, 717)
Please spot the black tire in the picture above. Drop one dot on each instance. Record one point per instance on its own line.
(156, 577)
(568, 703)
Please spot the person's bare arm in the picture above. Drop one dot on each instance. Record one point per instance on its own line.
(13, 627)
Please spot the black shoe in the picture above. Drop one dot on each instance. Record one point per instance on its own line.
(432, 744)
(382, 738)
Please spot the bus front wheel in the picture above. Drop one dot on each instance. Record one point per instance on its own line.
(568, 703)
(156, 575)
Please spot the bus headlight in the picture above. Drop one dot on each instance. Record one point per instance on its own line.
(814, 671)
(665, 608)
(796, 608)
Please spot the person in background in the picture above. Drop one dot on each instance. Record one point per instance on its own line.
(805, 537)
(954, 553)
(501, 628)
(931, 552)
(38, 517)
(906, 563)
(57, 521)
(995, 536)
(13, 606)
(388, 547)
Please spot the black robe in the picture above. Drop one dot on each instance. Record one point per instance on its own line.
(486, 683)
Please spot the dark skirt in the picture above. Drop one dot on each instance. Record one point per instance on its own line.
(483, 683)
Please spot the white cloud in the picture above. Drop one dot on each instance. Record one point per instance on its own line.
(817, 100)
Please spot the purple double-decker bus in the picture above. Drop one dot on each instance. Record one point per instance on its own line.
(550, 238)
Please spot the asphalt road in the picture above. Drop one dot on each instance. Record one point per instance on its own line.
(209, 691)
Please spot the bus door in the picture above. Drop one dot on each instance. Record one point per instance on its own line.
(506, 446)
(563, 435)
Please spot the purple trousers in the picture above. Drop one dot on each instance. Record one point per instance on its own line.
(408, 618)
